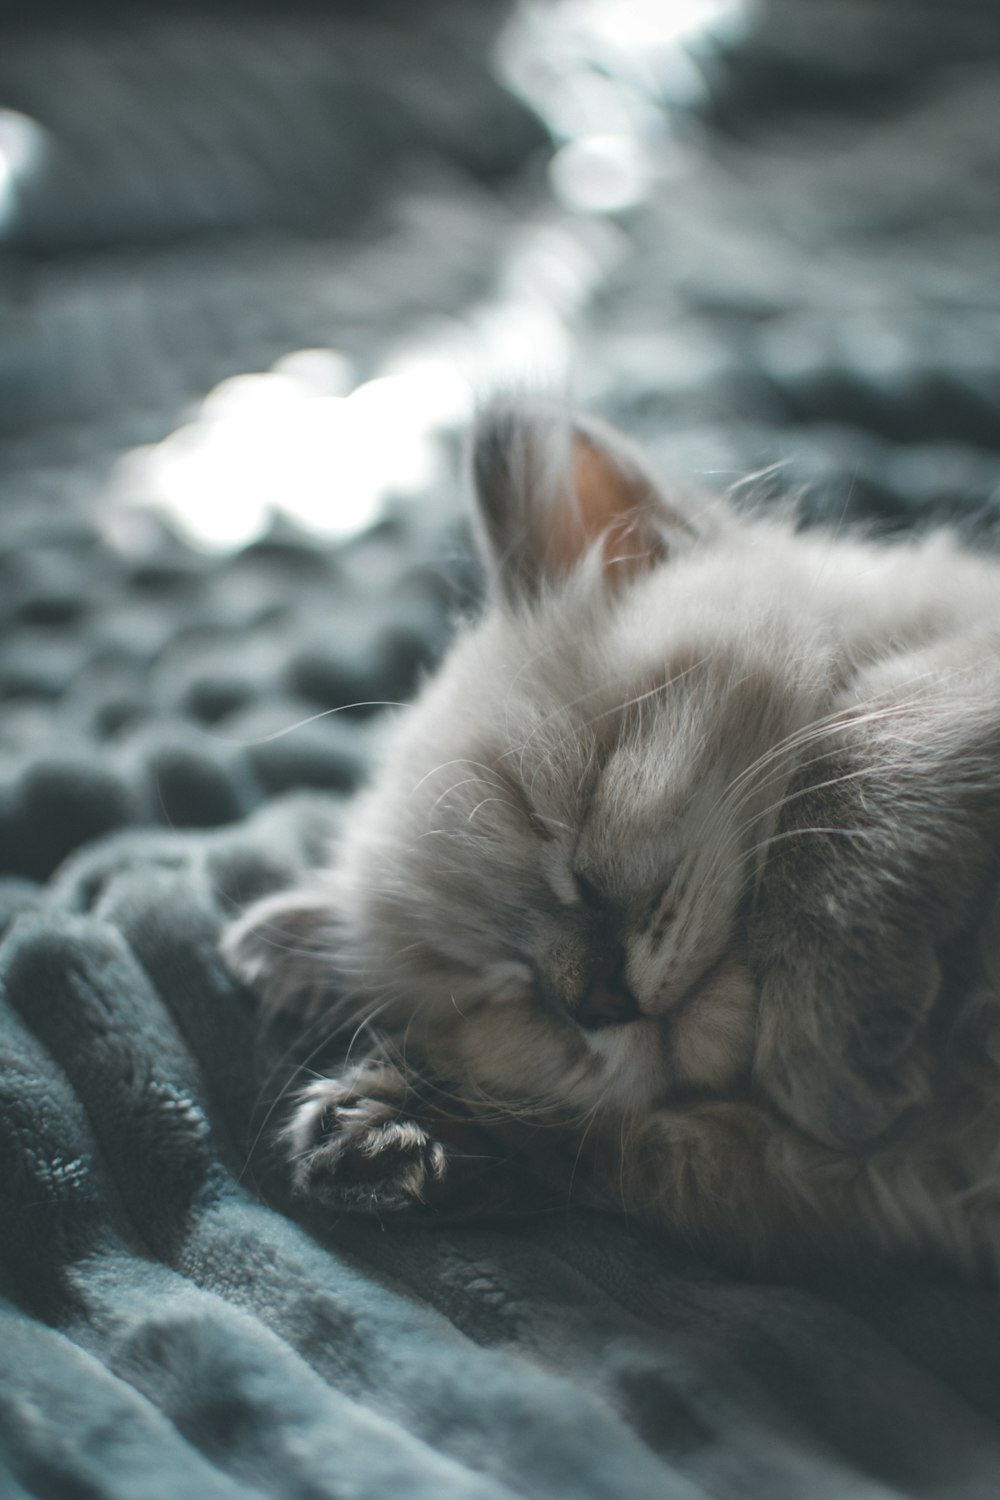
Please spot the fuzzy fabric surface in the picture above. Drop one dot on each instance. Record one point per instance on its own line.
(172, 1323)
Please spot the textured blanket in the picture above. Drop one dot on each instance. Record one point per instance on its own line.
(171, 1323)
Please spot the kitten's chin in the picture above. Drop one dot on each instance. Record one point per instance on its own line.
(633, 1061)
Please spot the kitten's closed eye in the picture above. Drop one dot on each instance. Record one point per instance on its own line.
(542, 827)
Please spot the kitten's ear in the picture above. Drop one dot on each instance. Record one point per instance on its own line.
(283, 948)
(549, 487)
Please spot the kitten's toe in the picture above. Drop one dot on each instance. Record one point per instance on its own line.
(359, 1153)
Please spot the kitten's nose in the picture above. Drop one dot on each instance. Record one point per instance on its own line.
(608, 1000)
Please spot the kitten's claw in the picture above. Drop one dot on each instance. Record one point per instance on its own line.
(360, 1153)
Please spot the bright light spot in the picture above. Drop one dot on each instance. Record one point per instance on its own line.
(600, 173)
(318, 372)
(247, 395)
(643, 24)
(604, 75)
(438, 393)
(22, 144)
(587, 66)
(263, 445)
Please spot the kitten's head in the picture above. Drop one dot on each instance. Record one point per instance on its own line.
(541, 896)
(543, 891)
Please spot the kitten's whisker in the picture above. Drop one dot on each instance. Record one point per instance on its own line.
(562, 708)
(525, 667)
(858, 773)
(833, 830)
(638, 699)
(466, 781)
(458, 760)
(831, 724)
(838, 723)
(841, 719)
(501, 800)
(367, 1023)
(236, 741)
(585, 1125)
(715, 875)
(289, 1083)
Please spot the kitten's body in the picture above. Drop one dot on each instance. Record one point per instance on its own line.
(679, 875)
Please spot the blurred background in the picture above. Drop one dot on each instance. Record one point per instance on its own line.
(258, 261)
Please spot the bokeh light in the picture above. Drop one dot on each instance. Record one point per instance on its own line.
(22, 145)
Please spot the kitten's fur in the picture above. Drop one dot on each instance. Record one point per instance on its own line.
(679, 875)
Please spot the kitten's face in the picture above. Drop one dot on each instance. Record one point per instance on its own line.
(544, 890)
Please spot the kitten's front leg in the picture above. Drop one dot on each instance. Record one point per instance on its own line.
(885, 855)
(730, 1178)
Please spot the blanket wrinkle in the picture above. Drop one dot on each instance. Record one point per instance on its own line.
(73, 1427)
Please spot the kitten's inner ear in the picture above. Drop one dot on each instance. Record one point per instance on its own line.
(550, 488)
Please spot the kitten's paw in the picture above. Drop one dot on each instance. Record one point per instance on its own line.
(361, 1153)
(850, 1068)
(846, 1109)
(283, 949)
(840, 1033)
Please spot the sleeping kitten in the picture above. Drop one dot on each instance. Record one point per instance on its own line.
(679, 876)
